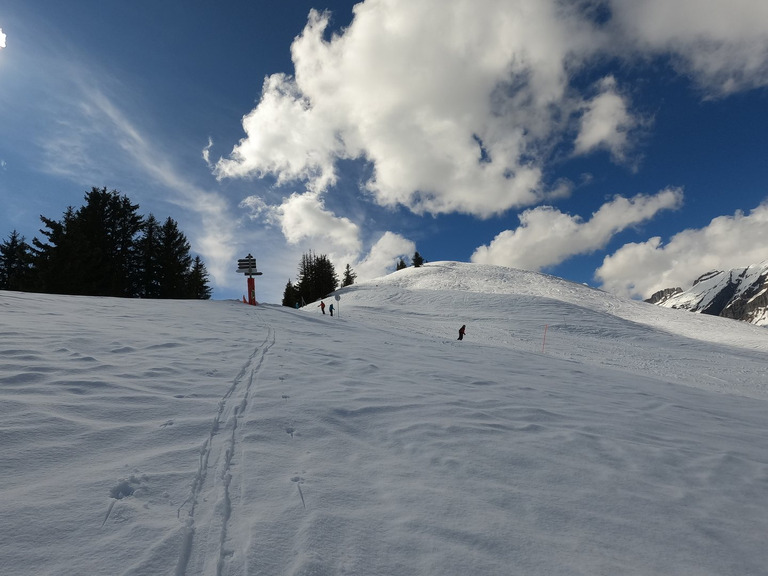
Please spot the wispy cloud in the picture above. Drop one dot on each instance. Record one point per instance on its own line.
(215, 237)
(92, 139)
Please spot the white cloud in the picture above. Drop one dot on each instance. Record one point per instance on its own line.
(547, 237)
(304, 217)
(206, 153)
(640, 269)
(286, 137)
(724, 45)
(606, 123)
(94, 140)
(383, 256)
(456, 106)
(2, 38)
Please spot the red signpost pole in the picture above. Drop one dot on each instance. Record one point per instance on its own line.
(251, 291)
(247, 266)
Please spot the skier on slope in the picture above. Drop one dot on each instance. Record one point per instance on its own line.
(462, 331)
(321, 306)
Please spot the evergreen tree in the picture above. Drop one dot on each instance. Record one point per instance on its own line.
(291, 295)
(175, 261)
(105, 248)
(316, 277)
(53, 260)
(417, 260)
(197, 287)
(15, 263)
(92, 251)
(149, 271)
(401, 264)
(327, 279)
(349, 277)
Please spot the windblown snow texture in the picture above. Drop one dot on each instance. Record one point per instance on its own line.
(199, 438)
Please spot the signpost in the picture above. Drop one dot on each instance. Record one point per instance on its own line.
(247, 266)
(338, 305)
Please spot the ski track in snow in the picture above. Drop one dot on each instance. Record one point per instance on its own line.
(210, 502)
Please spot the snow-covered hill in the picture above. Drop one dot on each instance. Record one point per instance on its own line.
(571, 432)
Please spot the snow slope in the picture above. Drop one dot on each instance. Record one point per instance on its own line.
(196, 438)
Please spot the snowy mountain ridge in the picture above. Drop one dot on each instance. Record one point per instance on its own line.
(739, 293)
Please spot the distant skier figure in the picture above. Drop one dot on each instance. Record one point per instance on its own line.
(462, 331)
(322, 306)
(330, 309)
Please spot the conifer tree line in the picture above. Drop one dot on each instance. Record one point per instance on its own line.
(417, 262)
(105, 248)
(316, 279)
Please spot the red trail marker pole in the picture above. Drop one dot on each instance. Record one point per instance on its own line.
(247, 266)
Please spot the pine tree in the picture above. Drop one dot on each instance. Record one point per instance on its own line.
(15, 263)
(316, 277)
(327, 279)
(197, 286)
(417, 260)
(149, 259)
(291, 295)
(105, 248)
(401, 265)
(175, 261)
(53, 260)
(349, 277)
(91, 251)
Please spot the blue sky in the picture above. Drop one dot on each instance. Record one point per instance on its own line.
(620, 143)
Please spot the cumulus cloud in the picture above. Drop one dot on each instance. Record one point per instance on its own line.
(458, 105)
(461, 106)
(547, 237)
(454, 107)
(304, 216)
(722, 45)
(606, 123)
(2, 38)
(383, 256)
(286, 137)
(640, 269)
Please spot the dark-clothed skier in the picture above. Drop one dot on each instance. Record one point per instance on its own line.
(462, 331)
